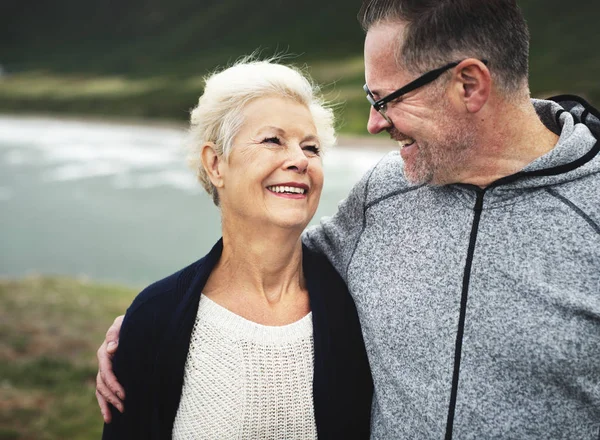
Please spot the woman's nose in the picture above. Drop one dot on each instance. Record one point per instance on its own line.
(298, 160)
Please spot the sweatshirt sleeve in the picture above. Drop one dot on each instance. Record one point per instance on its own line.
(337, 237)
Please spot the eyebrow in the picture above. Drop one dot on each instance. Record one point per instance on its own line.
(281, 132)
(378, 92)
(373, 92)
(311, 138)
(270, 127)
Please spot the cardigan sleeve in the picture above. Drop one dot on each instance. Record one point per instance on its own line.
(342, 383)
(152, 351)
(134, 365)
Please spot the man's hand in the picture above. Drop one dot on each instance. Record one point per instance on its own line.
(108, 389)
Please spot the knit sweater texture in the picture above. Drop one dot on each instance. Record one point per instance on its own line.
(245, 380)
(480, 308)
(155, 338)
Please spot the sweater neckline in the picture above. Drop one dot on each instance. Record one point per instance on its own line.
(240, 328)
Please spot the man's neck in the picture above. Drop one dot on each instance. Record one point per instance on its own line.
(512, 136)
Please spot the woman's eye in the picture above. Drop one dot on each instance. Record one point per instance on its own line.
(312, 149)
(272, 140)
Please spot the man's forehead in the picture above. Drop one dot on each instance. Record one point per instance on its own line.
(381, 48)
(385, 35)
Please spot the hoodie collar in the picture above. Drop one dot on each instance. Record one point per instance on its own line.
(576, 153)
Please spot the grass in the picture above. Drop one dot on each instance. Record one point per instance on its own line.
(50, 329)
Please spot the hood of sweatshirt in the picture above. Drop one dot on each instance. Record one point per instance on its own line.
(576, 153)
(575, 156)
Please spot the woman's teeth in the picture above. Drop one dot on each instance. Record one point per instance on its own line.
(286, 189)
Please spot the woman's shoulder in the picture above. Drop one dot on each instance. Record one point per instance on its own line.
(148, 317)
(327, 290)
(155, 306)
(167, 291)
(171, 290)
(317, 267)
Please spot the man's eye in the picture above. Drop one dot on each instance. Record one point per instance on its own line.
(272, 140)
(312, 149)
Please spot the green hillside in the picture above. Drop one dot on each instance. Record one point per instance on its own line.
(145, 58)
(50, 329)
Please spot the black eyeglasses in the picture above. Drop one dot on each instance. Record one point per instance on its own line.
(380, 105)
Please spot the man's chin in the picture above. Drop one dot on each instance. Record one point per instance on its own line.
(418, 177)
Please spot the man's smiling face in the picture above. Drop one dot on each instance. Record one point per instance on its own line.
(433, 136)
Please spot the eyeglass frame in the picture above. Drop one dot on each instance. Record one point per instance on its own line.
(380, 105)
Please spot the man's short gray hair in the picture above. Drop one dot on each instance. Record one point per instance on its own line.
(218, 116)
(443, 31)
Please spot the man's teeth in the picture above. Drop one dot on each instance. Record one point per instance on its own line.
(406, 142)
(286, 189)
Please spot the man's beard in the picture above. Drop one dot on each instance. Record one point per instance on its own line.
(442, 159)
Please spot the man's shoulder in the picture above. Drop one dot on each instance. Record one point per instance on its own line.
(386, 179)
(581, 196)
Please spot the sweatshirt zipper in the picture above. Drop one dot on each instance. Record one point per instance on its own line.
(463, 310)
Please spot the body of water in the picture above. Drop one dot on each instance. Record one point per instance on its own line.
(116, 202)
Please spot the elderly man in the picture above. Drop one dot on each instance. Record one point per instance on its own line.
(473, 253)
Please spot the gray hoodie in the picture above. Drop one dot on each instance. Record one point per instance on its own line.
(480, 309)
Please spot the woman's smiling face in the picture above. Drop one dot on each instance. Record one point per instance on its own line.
(274, 173)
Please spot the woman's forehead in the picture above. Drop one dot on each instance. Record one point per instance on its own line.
(279, 116)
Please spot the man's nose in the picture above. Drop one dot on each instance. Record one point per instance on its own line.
(377, 122)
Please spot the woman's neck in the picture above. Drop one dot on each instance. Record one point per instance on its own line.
(259, 275)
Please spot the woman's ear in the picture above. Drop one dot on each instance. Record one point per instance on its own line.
(212, 163)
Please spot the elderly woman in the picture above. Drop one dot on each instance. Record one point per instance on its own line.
(259, 339)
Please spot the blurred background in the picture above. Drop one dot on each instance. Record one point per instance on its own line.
(95, 198)
(146, 58)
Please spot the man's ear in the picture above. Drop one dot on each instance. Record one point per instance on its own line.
(213, 163)
(473, 84)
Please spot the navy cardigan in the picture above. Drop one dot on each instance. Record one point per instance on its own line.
(155, 337)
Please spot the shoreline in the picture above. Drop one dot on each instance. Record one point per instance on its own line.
(344, 140)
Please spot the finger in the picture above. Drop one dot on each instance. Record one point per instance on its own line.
(107, 395)
(106, 375)
(104, 409)
(112, 335)
(111, 347)
(113, 331)
(115, 389)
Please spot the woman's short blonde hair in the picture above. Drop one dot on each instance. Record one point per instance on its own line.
(218, 116)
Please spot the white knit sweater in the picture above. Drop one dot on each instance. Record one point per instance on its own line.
(244, 380)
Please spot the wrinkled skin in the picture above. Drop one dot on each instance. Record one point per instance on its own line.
(108, 389)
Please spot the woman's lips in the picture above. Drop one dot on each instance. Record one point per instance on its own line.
(289, 190)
